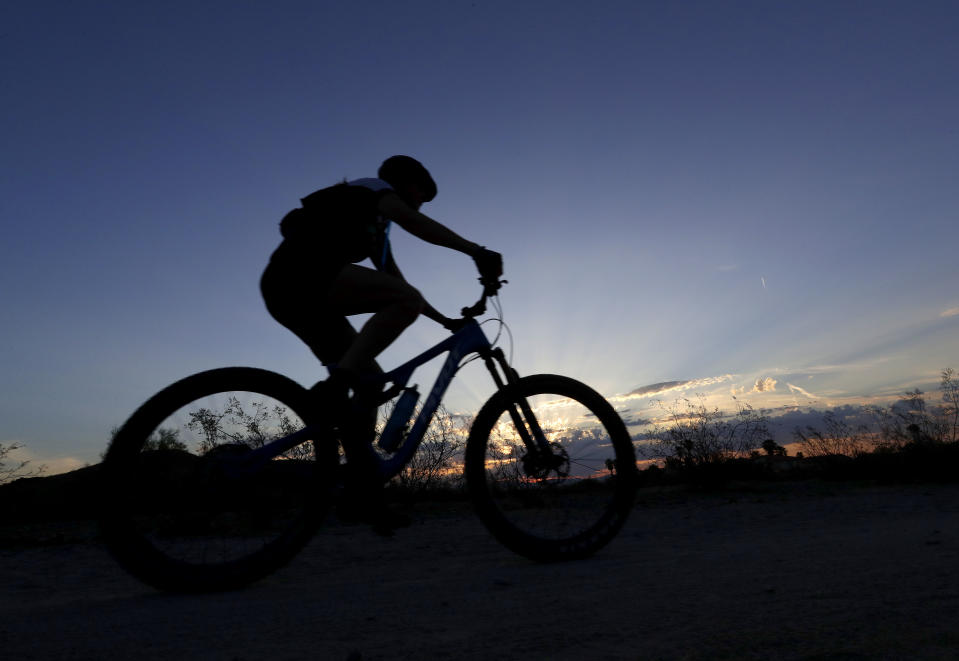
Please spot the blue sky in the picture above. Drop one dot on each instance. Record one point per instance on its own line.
(713, 193)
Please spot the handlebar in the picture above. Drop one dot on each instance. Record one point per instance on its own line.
(490, 287)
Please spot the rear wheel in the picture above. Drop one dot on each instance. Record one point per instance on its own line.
(185, 510)
(562, 504)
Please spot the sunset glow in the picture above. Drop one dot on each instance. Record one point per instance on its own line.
(730, 200)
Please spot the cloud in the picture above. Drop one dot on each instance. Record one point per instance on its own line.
(670, 386)
(635, 421)
(707, 381)
(782, 426)
(951, 312)
(796, 389)
(655, 388)
(764, 384)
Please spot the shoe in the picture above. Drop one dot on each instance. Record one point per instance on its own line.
(368, 388)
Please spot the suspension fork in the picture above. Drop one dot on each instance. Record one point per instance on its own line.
(529, 430)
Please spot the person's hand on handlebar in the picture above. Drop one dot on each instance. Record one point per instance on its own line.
(489, 264)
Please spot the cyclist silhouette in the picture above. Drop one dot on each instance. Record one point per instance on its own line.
(313, 282)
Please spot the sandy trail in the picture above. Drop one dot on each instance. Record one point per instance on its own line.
(800, 571)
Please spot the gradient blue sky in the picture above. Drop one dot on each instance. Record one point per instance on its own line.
(714, 193)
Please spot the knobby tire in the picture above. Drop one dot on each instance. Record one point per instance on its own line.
(159, 504)
(563, 513)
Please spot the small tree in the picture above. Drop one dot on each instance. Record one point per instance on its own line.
(773, 449)
(253, 426)
(165, 439)
(910, 421)
(10, 471)
(949, 386)
(437, 460)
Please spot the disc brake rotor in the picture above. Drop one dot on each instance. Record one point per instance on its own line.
(541, 466)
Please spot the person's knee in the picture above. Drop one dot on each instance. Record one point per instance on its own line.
(410, 303)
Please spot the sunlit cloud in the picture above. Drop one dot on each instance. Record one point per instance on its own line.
(555, 404)
(951, 312)
(797, 390)
(764, 384)
(646, 392)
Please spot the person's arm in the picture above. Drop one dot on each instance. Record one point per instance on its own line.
(488, 262)
(424, 227)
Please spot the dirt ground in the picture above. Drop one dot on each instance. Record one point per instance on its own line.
(802, 571)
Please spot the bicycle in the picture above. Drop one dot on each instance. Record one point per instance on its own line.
(222, 477)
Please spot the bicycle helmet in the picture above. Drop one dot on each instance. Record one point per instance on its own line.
(399, 171)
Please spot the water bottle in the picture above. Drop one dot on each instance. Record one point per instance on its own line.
(393, 432)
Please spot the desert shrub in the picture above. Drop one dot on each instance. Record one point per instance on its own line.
(839, 438)
(908, 422)
(437, 464)
(696, 436)
(252, 426)
(11, 469)
(911, 421)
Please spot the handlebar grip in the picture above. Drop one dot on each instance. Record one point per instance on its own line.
(490, 287)
(475, 310)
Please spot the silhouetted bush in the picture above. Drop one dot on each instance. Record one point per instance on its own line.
(698, 440)
(15, 470)
(839, 438)
(910, 440)
(437, 464)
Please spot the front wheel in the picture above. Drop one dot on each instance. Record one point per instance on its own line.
(562, 501)
(184, 507)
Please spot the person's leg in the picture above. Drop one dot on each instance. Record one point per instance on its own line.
(395, 305)
(305, 306)
(296, 297)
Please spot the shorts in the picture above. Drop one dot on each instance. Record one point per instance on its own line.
(295, 292)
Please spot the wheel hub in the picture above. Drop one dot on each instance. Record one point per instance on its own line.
(542, 465)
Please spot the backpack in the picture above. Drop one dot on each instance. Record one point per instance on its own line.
(343, 219)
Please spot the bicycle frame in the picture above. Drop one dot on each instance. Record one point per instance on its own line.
(468, 340)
